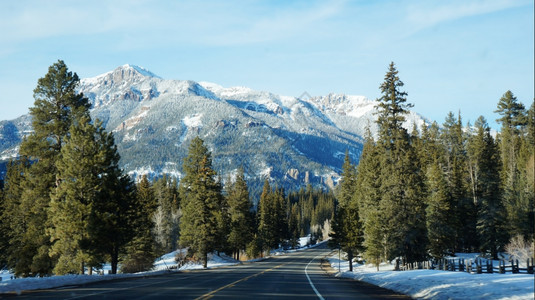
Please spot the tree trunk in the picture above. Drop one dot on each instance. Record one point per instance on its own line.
(205, 260)
(114, 261)
(350, 258)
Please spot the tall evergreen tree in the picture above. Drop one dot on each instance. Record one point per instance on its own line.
(462, 218)
(56, 105)
(486, 190)
(347, 224)
(140, 251)
(113, 216)
(513, 120)
(267, 222)
(223, 222)
(367, 191)
(13, 224)
(281, 216)
(440, 229)
(78, 185)
(90, 211)
(401, 180)
(200, 202)
(241, 223)
(293, 225)
(526, 163)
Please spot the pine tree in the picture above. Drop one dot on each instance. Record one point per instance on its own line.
(267, 218)
(56, 105)
(463, 213)
(347, 224)
(113, 216)
(281, 216)
(513, 120)
(526, 182)
(78, 185)
(200, 202)
(367, 191)
(167, 217)
(440, 229)
(392, 105)
(13, 224)
(485, 166)
(512, 111)
(293, 225)
(241, 223)
(90, 207)
(223, 222)
(140, 251)
(401, 180)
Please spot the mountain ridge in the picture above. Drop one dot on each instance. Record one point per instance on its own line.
(289, 140)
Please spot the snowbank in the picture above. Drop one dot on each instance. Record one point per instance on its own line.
(162, 265)
(432, 284)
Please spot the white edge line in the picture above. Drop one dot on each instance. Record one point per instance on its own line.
(310, 281)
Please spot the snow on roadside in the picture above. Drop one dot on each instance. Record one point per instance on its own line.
(34, 283)
(433, 284)
(162, 265)
(214, 261)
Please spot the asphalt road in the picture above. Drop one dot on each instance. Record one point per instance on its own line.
(293, 276)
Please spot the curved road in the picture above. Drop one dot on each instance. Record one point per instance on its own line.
(292, 276)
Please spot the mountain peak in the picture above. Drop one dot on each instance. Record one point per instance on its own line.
(123, 74)
(140, 70)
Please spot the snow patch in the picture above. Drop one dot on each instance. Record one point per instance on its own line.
(193, 120)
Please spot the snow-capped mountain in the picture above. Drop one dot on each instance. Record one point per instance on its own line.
(290, 140)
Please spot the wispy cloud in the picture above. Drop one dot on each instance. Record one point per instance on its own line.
(278, 24)
(430, 13)
(140, 24)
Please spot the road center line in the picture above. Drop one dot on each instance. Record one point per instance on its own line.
(211, 294)
(310, 281)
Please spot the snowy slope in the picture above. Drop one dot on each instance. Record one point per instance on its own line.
(292, 141)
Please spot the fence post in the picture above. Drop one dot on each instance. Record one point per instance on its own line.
(502, 267)
(490, 267)
(479, 269)
(515, 267)
(530, 266)
(469, 266)
(461, 264)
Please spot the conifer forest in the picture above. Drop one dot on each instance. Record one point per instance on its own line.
(66, 206)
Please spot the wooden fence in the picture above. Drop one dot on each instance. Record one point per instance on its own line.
(477, 266)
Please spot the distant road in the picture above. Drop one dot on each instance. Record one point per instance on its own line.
(292, 276)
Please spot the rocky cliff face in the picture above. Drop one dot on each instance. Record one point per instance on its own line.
(292, 141)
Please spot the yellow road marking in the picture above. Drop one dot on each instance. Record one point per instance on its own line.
(211, 294)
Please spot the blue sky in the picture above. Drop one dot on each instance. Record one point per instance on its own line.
(452, 55)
